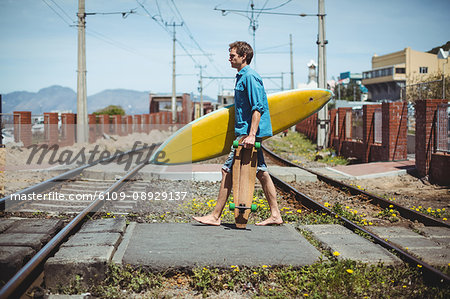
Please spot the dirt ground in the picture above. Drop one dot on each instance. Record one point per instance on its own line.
(20, 168)
(408, 191)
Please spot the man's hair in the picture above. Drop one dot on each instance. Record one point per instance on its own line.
(243, 48)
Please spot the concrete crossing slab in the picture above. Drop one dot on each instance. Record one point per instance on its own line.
(426, 248)
(349, 245)
(162, 246)
(192, 172)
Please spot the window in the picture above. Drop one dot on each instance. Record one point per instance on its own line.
(423, 70)
(400, 70)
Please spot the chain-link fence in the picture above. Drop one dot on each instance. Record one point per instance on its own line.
(425, 90)
(357, 124)
(442, 129)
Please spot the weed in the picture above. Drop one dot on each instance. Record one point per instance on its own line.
(390, 214)
(441, 213)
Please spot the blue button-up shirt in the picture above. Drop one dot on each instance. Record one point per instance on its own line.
(249, 95)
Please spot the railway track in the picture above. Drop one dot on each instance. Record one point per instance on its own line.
(66, 183)
(430, 273)
(72, 183)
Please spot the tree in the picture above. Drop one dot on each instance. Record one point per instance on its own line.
(426, 87)
(349, 92)
(111, 110)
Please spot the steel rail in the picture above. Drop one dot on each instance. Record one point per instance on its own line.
(429, 273)
(24, 277)
(374, 199)
(41, 187)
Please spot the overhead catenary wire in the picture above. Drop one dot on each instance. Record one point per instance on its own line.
(59, 15)
(191, 36)
(65, 17)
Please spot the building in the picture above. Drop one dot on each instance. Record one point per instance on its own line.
(354, 79)
(390, 73)
(312, 76)
(163, 103)
(226, 98)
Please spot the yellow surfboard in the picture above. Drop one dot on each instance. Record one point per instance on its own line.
(212, 135)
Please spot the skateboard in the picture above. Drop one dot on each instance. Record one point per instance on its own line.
(244, 176)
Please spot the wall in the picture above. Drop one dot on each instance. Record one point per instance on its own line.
(394, 128)
(428, 162)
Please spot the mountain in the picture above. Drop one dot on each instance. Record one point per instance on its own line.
(446, 47)
(134, 102)
(45, 100)
(58, 98)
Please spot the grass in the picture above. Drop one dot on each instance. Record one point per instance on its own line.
(324, 279)
(299, 145)
(330, 277)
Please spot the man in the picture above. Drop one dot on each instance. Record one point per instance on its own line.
(252, 122)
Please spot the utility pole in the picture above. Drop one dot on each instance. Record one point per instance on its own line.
(322, 126)
(200, 88)
(82, 116)
(82, 123)
(254, 26)
(292, 62)
(174, 90)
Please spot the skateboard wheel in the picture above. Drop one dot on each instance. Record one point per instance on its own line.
(236, 144)
(254, 208)
(257, 145)
(232, 206)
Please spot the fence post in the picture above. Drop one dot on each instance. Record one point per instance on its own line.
(342, 124)
(394, 128)
(146, 122)
(332, 131)
(51, 127)
(117, 123)
(68, 121)
(22, 127)
(129, 124)
(425, 133)
(368, 129)
(92, 123)
(138, 123)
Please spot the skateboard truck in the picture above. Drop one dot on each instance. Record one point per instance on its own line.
(236, 144)
(242, 207)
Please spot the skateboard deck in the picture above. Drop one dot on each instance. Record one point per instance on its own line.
(243, 176)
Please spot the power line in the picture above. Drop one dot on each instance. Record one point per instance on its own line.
(63, 11)
(272, 8)
(186, 27)
(58, 14)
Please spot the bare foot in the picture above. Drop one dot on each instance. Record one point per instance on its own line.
(208, 219)
(270, 221)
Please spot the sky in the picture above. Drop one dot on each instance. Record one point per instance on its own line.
(39, 40)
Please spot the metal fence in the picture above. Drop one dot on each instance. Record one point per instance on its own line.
(422, 91)
(348, 125)
(357, 124)
(378, 126)
(442, 129)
